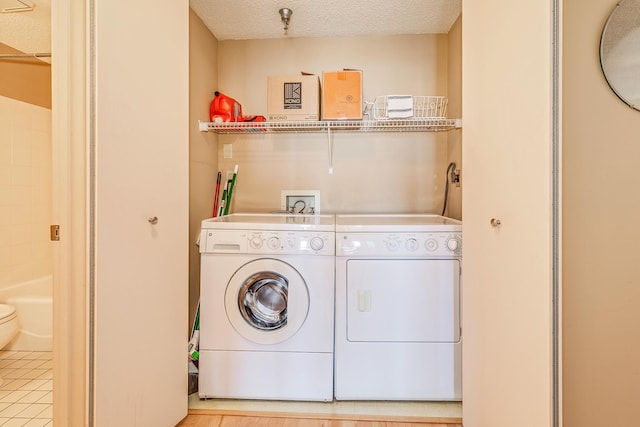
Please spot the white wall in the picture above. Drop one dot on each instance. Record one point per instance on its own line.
(601, 230)
(203, 146)
(454, 137)
(25, 191)
(373, 172)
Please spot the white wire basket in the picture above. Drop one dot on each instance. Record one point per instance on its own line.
(397, 107)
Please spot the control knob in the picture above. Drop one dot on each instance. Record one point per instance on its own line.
(255, 242)
(431, 245)
(411, 244)
(453, 244)
(274, 243)
(392, 245)
(316, 243)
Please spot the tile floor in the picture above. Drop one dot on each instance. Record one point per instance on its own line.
(26, 391)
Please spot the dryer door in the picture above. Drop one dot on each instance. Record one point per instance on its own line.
(267, 301)
(403, 300)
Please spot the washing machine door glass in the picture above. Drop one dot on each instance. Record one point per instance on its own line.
(263, 300)
(267, 301)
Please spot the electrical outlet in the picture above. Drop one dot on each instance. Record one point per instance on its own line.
(455, 177)
(300, 201)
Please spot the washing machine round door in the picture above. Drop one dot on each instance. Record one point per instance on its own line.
(267, 301)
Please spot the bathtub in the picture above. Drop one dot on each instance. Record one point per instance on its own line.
(33, 303)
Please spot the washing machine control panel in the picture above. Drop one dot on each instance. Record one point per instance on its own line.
(267, 242)
(437, 244)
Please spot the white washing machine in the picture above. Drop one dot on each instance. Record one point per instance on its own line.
(398, 328)
(266, 307)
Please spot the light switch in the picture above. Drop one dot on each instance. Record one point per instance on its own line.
(227, 151)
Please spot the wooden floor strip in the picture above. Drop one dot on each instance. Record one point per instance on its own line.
(297, 420)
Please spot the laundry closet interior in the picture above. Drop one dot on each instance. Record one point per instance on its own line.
(388, 172)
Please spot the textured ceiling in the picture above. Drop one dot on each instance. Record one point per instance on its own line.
(259, 19)
(28, 32)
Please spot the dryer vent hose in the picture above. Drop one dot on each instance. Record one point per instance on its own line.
(451, 167)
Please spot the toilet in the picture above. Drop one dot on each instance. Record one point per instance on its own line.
(9, 326)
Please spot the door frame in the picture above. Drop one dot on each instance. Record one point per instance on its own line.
(71, 256)
(69, 210)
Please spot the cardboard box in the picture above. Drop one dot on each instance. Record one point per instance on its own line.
(342, 95)
(293, 98)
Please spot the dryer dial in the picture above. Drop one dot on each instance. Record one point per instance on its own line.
(392, 244)
(453, 244)
(411, 244)
(431, 245)
(316, 243)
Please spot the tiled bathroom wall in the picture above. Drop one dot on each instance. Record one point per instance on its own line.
(25, 191)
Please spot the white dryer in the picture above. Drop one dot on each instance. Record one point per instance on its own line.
(398, 329)
(266, 307)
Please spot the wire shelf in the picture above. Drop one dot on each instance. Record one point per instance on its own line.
(388, 125)
(390, 107)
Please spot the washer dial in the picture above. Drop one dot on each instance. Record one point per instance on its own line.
(274, 242)
(255, 242)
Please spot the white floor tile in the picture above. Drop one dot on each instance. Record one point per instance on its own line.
(47, 398)
(35, 397)
(31, 373)
(38, 422)
(14, 384)
(14, 396)
(47, 375)
(33, 384)
(47, 413)
(20, 372)
(15, 422)
(31, 355)
(25, 354)
(9, 374)
(8, 354)
(33, 410)
(48, 385)
(26, 399)
(37, 363)
(18, 363)
(13, 410)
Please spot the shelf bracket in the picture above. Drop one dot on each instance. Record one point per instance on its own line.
(330, 147)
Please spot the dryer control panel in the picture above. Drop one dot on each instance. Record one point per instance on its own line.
(267, 242)
(443, 244)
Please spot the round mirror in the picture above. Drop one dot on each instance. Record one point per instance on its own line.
(620, 51)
